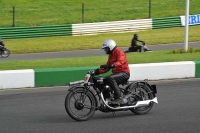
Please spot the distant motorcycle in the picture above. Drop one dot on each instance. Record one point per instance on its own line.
(4, 52)
(91, 94)
(141, 48)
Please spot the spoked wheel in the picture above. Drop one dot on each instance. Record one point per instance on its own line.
(5, 53)
(80, 106)
(142, 92)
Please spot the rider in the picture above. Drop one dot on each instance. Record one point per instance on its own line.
(1, 43)
(134, 47)
(117, 61)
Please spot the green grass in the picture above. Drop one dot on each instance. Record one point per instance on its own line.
(51, 12)
(66, 43)
(133, 58)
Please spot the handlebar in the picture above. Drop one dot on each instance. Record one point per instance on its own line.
(76, 82)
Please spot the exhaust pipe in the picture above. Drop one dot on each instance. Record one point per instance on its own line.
(146, 102)
(138, 104)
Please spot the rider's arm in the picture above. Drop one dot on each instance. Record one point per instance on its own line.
(143, 42)
(101, 71)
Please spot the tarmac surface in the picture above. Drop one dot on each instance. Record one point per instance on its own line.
(41, 110)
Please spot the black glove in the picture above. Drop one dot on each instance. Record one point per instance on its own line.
(107, 66)
(96, 72)
(91, 72)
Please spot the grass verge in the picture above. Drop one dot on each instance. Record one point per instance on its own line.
(133, 58)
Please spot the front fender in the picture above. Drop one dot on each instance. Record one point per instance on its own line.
(73, 88)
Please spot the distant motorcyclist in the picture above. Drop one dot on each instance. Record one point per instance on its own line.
(4, 52)
(135, 47)
(1, 44)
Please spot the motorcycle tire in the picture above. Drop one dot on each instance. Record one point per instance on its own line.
(5, 53)
(78, 108)
(143, 93)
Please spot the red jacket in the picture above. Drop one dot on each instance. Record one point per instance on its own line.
(117, 57)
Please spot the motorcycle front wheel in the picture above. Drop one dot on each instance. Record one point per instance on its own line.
(5, 53)
(80, 106)
(143, 92)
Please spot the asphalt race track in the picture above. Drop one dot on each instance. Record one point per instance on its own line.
(41, 110)
(83, 53)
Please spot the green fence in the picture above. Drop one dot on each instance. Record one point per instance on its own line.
(37, 31)
(168, 22)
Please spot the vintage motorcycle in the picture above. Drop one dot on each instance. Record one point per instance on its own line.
(4, 52)
(92, 94)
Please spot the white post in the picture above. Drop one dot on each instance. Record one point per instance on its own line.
(186, 24)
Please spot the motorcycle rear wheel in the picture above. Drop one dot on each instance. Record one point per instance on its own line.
(78, 108)
(5, 53)
(143, 93)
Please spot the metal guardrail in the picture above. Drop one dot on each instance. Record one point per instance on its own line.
(89, 28)
(37, 31)
(168, 22)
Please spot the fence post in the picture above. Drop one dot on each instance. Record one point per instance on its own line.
(82, 12)
(13, 16)
(149, 8)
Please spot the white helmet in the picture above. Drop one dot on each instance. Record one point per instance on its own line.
(111, 44)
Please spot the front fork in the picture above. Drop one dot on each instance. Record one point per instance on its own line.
(83, 95)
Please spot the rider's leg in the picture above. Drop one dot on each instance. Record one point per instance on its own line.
(114, 80)
(111, 80)
(137, 48)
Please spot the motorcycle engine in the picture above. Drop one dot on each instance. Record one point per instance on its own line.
(99, 80)
(103, 107)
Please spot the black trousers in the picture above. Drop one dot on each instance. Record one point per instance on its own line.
(114, 80)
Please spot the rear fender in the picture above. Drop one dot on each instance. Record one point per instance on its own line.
(152, 87)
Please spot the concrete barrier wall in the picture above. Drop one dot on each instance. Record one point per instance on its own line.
(156, 71)
(17, 79)
(197, 68)
(62, 76)
(59, 76)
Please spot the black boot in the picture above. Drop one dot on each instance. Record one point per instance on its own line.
(120, 101)
(147, 50)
